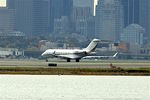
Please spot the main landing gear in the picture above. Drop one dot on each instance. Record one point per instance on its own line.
(77, 60)
(68, 60)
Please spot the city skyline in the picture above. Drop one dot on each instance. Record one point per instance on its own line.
(3, 4)
(74, 22)
(43, 16)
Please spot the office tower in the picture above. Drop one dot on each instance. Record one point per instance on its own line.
(109, 20)
(131, 11)
(31, 16)
(83, 21)
(59, 8)
(40, 14)
(79, 12)
(82, 17)
(133, 34)
(10, 4)
(7, 20)
(62, 25)
(145, 16)
(46, 16)
(24, 16)
(84, 3)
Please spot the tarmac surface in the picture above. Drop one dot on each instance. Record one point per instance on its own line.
(73, 64)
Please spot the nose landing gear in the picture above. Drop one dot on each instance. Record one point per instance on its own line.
(46, 60)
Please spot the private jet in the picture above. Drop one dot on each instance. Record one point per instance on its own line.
(101, 57)
(70, 54)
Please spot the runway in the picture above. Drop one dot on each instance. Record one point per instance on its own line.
(81, 64)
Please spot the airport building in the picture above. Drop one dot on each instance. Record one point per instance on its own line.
(109, 20)
(10, 52)
(44, 45)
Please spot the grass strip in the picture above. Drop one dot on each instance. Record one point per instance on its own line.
(75, 71)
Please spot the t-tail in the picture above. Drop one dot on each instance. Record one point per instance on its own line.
(92, 46)
(115, 55)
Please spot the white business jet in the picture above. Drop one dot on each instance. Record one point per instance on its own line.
(69, 54)
(101, 57)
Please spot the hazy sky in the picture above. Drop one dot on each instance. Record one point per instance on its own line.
(2, 2)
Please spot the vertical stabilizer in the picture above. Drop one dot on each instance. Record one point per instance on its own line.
(92, 46)
(115, 55)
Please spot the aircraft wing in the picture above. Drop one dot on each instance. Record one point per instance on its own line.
(80, 52)
(73, 56)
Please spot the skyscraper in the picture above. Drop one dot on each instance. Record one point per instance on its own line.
(131, 11)
(10, 4)
(59, 8)
(29, 16)
(83, 21)
(7, 19)
(84, 3)
(82, 17)
(133, 34)
(145, 16)
(109, 20)
(81, 12)
(62, 25)
(24, 16)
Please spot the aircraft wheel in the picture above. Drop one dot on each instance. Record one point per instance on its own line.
(77, 60)
(68, 60)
